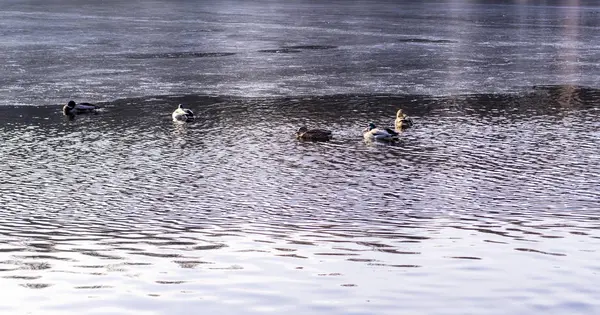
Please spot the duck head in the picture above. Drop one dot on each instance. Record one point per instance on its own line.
(301, 131)
(370, 127)
(69, 108)
(399, 114)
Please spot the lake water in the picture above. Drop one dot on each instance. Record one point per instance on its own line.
(489, 205)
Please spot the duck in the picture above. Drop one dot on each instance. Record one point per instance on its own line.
(313, 134)
(182, 114)
(372, 133)
(73, 108)
(402, 121)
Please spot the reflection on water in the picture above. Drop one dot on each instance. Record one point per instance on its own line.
(490, 199)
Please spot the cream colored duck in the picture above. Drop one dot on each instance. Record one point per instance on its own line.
(402, 121)
(182, 114)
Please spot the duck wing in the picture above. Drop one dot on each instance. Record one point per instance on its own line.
(391, 132)
(182, 115)
(383, 135)
(84, 107)
(189, 113)
(378, 132)
(321, 131)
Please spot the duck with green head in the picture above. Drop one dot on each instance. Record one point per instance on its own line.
(372, 133)
(313, 134)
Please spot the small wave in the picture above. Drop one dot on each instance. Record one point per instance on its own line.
(280, 51)
(310, 47)
(176, 55)
(425, 41)
(36, 285)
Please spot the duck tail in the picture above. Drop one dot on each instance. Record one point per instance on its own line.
(189, 114)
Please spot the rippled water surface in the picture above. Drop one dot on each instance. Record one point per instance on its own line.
(490, 200)
(489, 205)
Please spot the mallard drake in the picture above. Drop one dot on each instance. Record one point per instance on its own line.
(182, 114)
(402, 121)
(73, 108)
(372, 133)
(313, 134)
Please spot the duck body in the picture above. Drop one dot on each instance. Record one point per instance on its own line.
(402, 121)
(73, 108)
(372, 133)
(313, 134)
(182, 114)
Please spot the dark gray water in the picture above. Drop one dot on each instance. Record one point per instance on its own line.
(489, 205)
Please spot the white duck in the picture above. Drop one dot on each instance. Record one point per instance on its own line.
(182, 114)
(372, 133)
(73, 108)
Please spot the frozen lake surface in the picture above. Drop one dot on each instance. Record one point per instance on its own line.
(102, 51)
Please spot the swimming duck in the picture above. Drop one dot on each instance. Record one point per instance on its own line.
(383, 135)
(73, 108)
(313, 134)
(182, 114)
(402, 121)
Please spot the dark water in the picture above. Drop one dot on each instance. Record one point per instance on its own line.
(489, 205)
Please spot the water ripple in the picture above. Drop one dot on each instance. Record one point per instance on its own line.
(483, 186)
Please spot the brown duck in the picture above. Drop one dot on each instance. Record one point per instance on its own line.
(313, 134)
